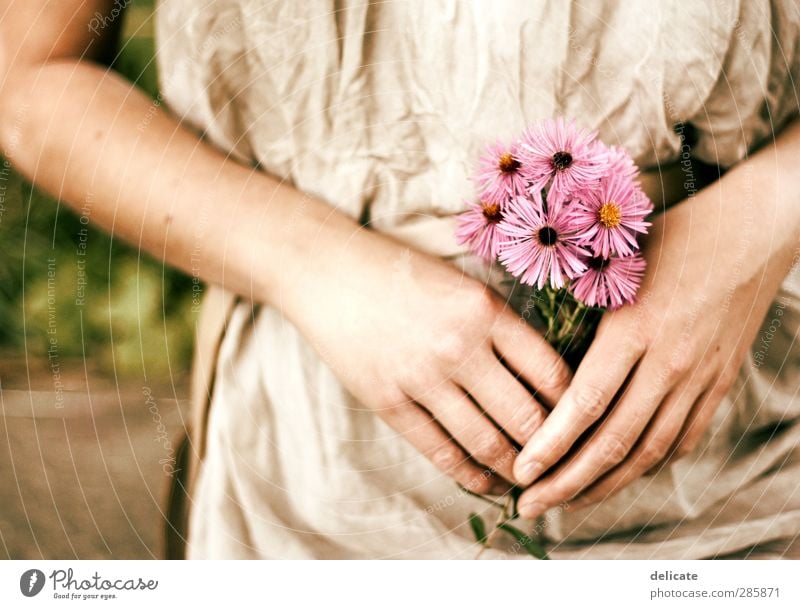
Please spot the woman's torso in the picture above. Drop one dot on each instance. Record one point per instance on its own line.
(380, 109)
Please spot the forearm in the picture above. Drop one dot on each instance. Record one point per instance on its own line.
(759, 200)
(776, 177)
(81, 132)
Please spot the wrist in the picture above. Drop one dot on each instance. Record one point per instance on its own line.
(298, 247)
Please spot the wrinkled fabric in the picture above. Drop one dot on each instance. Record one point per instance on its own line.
(380, 108)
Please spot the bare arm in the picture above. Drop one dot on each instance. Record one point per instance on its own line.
(70, 125)
(432, 353)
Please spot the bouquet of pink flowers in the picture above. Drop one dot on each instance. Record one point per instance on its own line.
(562, 212)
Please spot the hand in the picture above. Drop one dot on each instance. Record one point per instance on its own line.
(665, 363)
(435, 354)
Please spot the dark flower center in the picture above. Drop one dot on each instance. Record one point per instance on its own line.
(507, 163)
(491, 211)
(598, 264)
(562, 160)
(547, 236)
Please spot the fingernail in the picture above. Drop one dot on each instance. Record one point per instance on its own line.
(527, 471)
(532, 510)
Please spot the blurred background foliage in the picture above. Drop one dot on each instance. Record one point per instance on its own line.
(136, 315)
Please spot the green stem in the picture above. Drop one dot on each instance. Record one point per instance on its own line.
(567, 328)
(502, 518)
(551, 312)
(482, 497)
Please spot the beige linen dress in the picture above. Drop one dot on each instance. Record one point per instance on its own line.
(379, 108)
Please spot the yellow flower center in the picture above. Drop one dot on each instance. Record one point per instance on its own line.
(507, 163)
(610, 215)
(491, 211)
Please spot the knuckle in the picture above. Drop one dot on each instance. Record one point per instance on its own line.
(392, 399)
(528, 421)
(452, 349)
(590, 401)
(557, 375)
(490, 447)
(638, 341)
(654, 451)
(613, 448)
(679, 364)
(447, 458)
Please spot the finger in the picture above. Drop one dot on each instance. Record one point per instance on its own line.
(606, 448)
(428, 437)
(471, 428)
(504, 398)
(656, 443)
(528, 355)
(680, 448)
(598, 379)
(698, 421)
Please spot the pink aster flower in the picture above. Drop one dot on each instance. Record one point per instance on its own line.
(559, 150)
(539, 244)
(477, 227)
(609, 282)
(499, 175)
(609, 217)
(620, 162)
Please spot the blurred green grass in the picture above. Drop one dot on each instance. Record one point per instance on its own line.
(124, 312)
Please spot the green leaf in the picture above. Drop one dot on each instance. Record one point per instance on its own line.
(478, 528)
(531, 546)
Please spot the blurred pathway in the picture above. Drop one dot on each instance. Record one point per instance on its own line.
(83, 475)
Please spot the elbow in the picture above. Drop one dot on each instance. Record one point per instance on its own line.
(15, 108)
